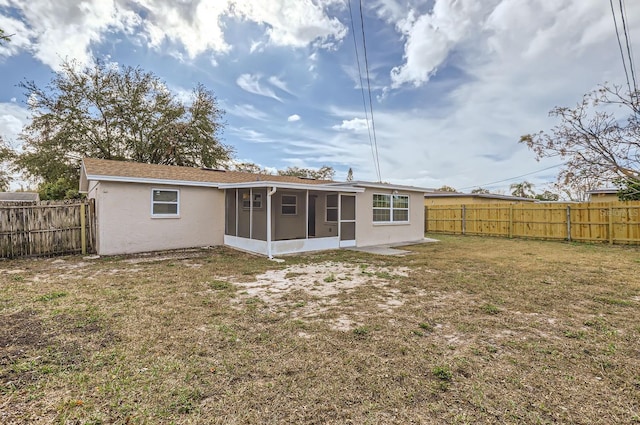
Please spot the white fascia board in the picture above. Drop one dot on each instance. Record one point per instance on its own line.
(151, 181)
(281, 185)
(374, 185)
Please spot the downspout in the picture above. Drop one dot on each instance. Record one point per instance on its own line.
(269, 194)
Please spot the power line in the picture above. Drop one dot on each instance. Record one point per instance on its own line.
(624, 62)
(373, 123)
(364, 102)
(628, 43)
(512, 178)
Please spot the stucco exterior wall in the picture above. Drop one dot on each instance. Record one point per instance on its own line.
(125, 224)
(289, 226)
(603, 197)
(370, 233)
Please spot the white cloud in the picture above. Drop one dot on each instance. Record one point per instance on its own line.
(12, 119)
(247, 111)
(355, 124)
(294, 118)
(277, 82)
(432, 36)
(68, 29)
(251, 83)
(295, 23)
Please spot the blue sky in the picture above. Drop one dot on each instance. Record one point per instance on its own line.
(455, 83)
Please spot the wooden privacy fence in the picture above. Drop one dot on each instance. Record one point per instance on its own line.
(612, 222)
(47, 228)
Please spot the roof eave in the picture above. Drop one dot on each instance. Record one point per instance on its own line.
(125, 179)
(285, 185)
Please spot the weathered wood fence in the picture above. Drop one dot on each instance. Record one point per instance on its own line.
(611, 222)
(47, 228)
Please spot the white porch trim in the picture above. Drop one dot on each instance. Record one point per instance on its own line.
(292, 246)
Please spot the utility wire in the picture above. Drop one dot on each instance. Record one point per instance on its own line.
(512, 178)
(364, 102)
(373, 123)
(628, 45)
(624, 62)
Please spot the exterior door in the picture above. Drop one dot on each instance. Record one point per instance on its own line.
(347, 220)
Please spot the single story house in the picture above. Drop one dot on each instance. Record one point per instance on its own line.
(148, 207)
(456, 198)
(603, 195)
(26, 198)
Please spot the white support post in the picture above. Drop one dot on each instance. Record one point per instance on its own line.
(269, 194)
(250, 213)
(237, 215)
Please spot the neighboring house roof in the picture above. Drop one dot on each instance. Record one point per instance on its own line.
(19, 197)
(609, 191)
(440, 194)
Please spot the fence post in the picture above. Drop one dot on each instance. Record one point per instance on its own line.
(510, 220)
(568, 223)
(83, 226)
(610, 225)
(464, 220)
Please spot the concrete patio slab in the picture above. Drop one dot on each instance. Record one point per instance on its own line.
(391, 249)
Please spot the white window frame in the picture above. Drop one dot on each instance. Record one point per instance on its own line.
(391, 208)
(176, 202)
(327, 208)
(257, 201)
(282, 204)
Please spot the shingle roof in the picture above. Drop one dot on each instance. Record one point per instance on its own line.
(19, 197)
(95, 168)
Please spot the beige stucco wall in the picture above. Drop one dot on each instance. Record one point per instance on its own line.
(289, 226)
(603, 197)
(125, 225)
(368, 233)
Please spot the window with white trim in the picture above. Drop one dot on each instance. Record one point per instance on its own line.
(289, 204)
(246, 200)
(165, 202)
(389, 208)
(332, 208)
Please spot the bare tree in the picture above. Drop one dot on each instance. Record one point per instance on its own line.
(599, 139)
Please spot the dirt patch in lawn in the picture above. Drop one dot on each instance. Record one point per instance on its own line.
(318, 289)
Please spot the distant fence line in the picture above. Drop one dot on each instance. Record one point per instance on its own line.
(47, 228)
(611, 222)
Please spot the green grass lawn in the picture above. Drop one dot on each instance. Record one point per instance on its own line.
(467, 330)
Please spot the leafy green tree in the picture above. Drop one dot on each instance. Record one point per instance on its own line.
(547, 195)
(598, 139)
(523, 190)
(59, 189)
(323, 173)
(249, 167)
(350, 175)
(4, 37)
(480, 190)
(5, 156)
(111, 112)
(629, 189)
(446, 188)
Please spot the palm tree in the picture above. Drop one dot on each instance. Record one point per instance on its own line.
(523, 190)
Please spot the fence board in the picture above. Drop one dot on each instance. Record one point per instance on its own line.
(612, 222)
(47, 228)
